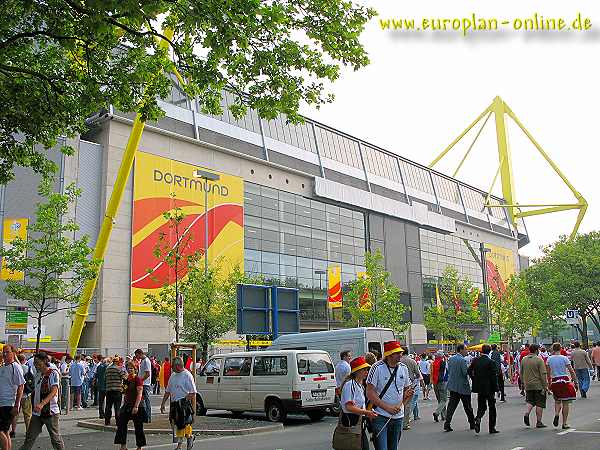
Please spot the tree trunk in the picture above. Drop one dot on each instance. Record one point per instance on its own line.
(595, 322)
(204, 343)
(584, 336)
(39, 333)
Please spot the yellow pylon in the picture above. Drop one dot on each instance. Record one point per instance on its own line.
(500, 110)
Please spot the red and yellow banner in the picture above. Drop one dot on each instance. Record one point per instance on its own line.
(162, 184)
(12, 229)
(364, 302)
(500, 266)
(334, 286)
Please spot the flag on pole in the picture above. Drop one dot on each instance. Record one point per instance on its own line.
(438, 302)
(364, 301)
(475, 304)
(334, 287)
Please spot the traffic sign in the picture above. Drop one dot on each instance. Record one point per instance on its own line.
(572, 316)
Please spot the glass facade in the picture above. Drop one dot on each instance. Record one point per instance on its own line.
(439, 251)
(292, 240)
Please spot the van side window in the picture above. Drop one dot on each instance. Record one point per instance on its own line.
(314, 363)
(270, 365)
(237, 367)
(375, 346)
(212, 368)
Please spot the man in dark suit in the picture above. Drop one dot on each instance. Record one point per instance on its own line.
(458, 386)
(485, 383)
(496, 356)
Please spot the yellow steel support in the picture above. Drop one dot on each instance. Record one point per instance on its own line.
(500, 110)
(110, 216)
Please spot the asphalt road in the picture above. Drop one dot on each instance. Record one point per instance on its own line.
(299, 433)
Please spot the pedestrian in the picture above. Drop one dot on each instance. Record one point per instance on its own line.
(85, 385)
(28, 375)
(484, 373)
(155, 373)
(65, 383)
(596, 359)
(389, 389)
(458, 385)
(12, 384)
(181, 391)
(46, 411)
(114, 378)
(370, 358)
(439, 377)
(582, 364)
(496, 356)
(77, 374)
(165, 373)
(353, 399)
(100, 383)
(563, 387)
(416, 380)
(145, 373)
(342, 369)
(96, 360)
(132, 409)
(535, 383)
(425, 368)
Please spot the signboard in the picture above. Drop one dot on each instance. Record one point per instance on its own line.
(16, 320)
(267, 310)
(494, 338)
(12, 229)
(500, 266)
(162, 184)
(180, 311)
(572, 317)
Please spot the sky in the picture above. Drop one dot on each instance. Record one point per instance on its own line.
(423, 88)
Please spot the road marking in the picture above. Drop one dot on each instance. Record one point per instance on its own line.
(562, 433)
(586, 432)
(518, 448)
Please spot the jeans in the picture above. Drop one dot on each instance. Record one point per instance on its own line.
(138, 425)
(386, 434)
(583, 378)
(490, 400)
(501, 385)
(85, 391)
(113, 400)
(441, 395)
(35, 428)
(455, 399)
(146, 400)
(411, 407)
(65, 391)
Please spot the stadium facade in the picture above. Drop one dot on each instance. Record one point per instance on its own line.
(312, 198)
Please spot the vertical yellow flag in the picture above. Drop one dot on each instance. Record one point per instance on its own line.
(334, 291)
(12, 229)
(438, 302)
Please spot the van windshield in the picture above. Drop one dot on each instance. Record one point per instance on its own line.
(314, 363)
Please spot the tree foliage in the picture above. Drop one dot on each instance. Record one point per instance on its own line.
(209, 302)
(63, 60)
(374, 300)
(458, 308)
(55, 264)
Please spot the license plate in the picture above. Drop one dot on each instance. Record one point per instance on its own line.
(320, 393)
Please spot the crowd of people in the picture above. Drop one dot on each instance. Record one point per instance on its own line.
(379, 396)
(40, 386)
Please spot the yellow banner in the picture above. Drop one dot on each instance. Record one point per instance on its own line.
(155, 181)
(242, 343)
(12, 229)
(334, 286)
(500, 266)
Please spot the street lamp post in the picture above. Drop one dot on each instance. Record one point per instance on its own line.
(321, 273)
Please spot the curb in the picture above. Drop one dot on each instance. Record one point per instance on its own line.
(237, 432)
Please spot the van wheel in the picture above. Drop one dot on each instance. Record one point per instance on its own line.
(316, 414)
(336, 408)
(237, 413)
(275, 411)
(200, 409)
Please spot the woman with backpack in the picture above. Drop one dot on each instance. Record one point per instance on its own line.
(353, 404)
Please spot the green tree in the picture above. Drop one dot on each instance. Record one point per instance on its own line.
(55, 264)
(374, 300)
(572, 271)
(456, 311)
(513, 311)
(209, 302)
(63, 60)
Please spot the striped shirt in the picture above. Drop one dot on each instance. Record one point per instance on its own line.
(114, 378)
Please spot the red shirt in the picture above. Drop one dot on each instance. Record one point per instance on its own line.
(132, 382)
(523, 354)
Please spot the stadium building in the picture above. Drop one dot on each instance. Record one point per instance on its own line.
(292, 202)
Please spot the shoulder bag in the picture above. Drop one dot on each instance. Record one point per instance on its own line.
(347, 437)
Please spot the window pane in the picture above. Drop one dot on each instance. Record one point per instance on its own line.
(270, 365)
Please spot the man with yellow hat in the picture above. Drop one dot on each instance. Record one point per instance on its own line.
(388, 388)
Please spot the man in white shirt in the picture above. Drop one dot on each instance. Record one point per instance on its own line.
(389, 397)
(145, 373)
(12, 383)
(181, 387)
(342, 369)
(45, 404)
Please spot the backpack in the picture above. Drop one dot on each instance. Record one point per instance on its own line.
(29, 382)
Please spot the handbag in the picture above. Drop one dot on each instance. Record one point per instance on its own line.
(347, 438)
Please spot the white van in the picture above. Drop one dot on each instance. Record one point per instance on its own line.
(277, 382)
(358, 340)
